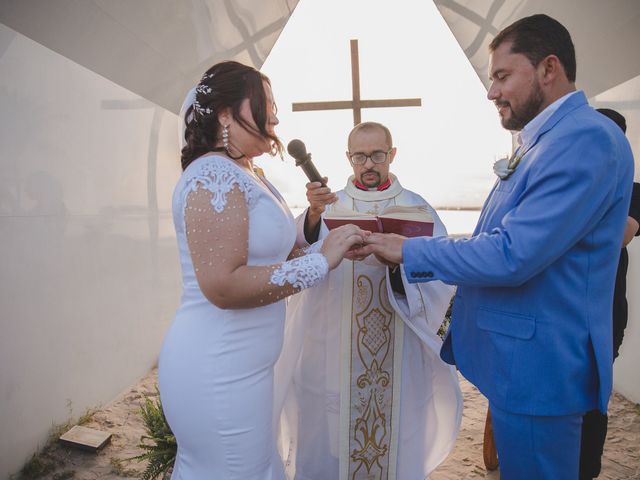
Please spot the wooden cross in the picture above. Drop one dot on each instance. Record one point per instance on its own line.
(356, 103)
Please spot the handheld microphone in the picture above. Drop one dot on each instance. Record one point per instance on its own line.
(298, 150)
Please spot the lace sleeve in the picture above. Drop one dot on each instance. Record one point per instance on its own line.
(216, 222)
(219, 177)
(302, 272)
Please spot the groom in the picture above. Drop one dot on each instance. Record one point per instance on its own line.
(531, 321)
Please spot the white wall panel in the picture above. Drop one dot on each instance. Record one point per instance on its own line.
(626, 373)
(90, 276)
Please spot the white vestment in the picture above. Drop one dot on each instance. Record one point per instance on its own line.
(363, 391)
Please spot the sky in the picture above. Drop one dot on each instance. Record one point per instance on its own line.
(446, 147)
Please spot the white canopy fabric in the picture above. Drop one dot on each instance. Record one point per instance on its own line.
(155, 48)
(158, 48)
(606, 34)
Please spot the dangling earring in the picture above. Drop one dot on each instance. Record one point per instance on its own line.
(225, 138)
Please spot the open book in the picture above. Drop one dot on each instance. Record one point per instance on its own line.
(413, 221)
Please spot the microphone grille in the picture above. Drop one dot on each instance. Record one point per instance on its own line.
(297, 149)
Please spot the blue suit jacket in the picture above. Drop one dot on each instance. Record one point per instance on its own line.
(531, 325)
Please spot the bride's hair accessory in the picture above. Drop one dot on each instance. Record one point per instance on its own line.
(203, 88)
(201, 110)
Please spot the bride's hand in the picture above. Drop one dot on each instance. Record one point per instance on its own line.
(339, 241)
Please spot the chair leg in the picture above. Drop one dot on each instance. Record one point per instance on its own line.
(489, 451)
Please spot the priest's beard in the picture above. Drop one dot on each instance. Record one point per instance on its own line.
(371, 182)
(524, 114)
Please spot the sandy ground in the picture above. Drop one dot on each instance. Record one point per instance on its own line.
(121, 418)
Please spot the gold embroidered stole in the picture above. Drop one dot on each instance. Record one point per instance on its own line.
(371, 359)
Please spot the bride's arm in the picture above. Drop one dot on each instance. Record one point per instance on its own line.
(297, 252)
(218, 242)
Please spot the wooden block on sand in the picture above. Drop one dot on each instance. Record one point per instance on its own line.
(85, 438)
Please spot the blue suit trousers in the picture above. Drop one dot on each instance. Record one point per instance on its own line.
(532, 447)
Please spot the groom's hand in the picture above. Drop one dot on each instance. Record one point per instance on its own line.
(387, 247)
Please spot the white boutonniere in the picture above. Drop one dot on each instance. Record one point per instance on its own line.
(504, 167)
(501, 168)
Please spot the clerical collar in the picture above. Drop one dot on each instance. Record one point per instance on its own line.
(373, 195)
(380, 188)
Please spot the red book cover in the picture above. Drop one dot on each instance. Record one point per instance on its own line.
(404, 227)
(371, 224)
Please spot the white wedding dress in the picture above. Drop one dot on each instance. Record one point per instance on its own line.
(216, 366)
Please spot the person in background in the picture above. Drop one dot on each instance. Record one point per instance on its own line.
(594, 423)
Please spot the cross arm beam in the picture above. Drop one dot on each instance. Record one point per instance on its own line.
(348, 104)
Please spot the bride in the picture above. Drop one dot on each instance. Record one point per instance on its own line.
(236, 239)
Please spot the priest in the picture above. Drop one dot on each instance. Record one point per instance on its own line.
(368, 395)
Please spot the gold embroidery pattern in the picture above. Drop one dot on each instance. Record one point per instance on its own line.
(372, 344)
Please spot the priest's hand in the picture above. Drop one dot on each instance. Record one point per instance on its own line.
(387, 247)
(318, 197)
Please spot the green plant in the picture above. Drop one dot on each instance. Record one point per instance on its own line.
(57, 429)
(37, 467)
(42, 463)
(87, 416)
(159, 444)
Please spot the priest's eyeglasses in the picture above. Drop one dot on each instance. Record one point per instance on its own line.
(377, 156)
